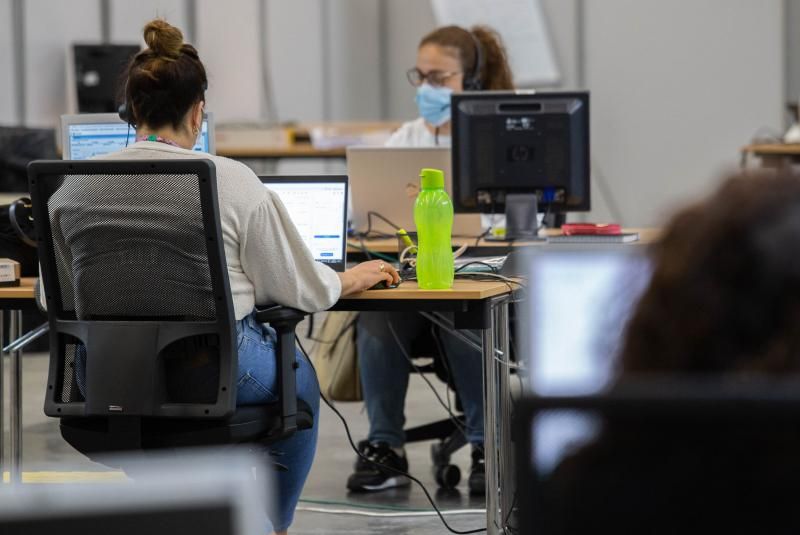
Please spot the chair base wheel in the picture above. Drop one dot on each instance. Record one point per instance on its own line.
(447, 475)
(439, 455)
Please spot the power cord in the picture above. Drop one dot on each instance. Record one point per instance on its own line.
(381, 511)
(383, 466)
(335, 339)
(370, 253)
(371, 214)
(416, 368)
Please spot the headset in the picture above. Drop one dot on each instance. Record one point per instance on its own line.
(473, 81)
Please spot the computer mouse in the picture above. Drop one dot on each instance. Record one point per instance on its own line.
(383, 285)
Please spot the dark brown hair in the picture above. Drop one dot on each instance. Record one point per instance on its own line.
(725, 292)
(495, 74)
(164, 80)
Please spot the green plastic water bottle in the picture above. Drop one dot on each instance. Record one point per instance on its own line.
(433, 216)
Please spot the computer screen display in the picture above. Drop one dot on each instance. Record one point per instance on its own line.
(87, 136)
(579, 304)
(580, 300)
(521, 142)
(318, 208)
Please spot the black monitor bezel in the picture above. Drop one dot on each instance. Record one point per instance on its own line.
(457, 148)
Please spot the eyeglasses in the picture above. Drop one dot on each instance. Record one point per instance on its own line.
(436, 78)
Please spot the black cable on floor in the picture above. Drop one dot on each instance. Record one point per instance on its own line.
(389, 468)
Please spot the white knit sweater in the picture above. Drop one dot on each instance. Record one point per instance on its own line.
(268, 262)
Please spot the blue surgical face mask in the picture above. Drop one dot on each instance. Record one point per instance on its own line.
(434, 103)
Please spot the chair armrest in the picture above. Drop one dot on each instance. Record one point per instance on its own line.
(279, 313)
(284, 320)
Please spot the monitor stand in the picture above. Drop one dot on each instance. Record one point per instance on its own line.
(522, 222)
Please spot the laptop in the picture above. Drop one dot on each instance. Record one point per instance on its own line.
(86, 135)
(318, 208)
(386, 180)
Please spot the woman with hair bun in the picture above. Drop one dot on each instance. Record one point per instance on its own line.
(267, 259)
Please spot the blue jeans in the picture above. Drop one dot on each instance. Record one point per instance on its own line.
(385, 370)
(256, 385)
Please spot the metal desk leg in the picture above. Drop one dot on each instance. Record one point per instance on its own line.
(15, 395)
(506, 449)
(490, 450)
(2, 397)
(497, 420)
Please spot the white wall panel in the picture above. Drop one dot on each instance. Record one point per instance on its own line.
(561, 16)
(8, 94)
(50, 28)
(128, 18)
(677, 87)
(407, 22)
(227, 41)
(294, 30)
(355, 62)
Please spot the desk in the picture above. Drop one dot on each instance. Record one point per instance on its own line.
(389, 245)
(271, 143)
(14, 299)
(475, 305)
(772, 155)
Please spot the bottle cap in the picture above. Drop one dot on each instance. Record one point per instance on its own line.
(432, 178)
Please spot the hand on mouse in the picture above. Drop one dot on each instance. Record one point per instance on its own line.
(366, 275)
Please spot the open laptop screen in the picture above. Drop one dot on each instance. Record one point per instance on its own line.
(94, 134)
(318, 208)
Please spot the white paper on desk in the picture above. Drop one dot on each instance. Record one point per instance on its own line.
(521, 24)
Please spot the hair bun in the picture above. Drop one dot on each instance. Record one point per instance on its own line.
(163, 38)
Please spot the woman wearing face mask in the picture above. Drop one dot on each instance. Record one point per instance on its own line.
(449, 59)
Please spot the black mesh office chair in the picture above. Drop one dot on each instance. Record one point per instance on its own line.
(448, 432)
(142, 335)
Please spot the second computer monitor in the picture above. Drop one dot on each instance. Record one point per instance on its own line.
(87, 135)
(521, 142)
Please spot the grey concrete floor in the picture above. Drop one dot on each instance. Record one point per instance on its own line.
(44, 449)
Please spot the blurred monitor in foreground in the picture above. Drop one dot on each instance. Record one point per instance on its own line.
(201, 493)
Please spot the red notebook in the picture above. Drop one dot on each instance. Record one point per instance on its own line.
(590, 229)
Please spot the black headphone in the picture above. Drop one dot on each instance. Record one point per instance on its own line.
(20, 215)
(473, 81)
(123, 112)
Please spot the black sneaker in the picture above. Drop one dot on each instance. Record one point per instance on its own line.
(370, 477)
(477, 473)
(364, 448)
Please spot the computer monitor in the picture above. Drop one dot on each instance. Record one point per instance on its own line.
(521, 143)
(98, 70)
(580, 298)
(318, 208)
(201, 492)
(87, 135)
